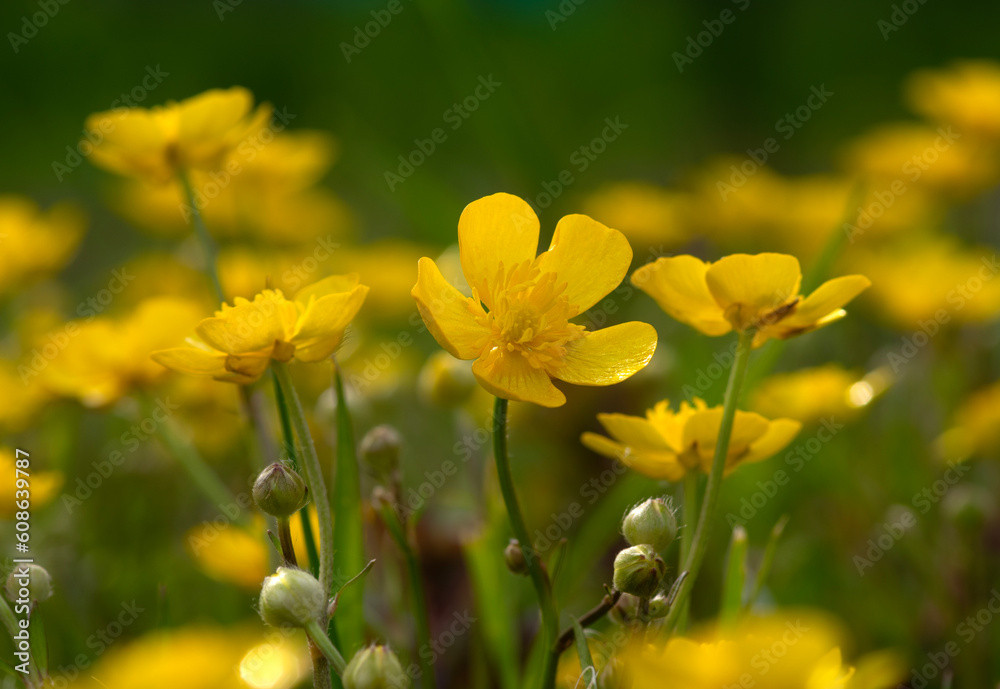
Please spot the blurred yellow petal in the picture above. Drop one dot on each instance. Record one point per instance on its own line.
(678, 285)
(333, 284)
(607, 356)
(510, 376)
(749, 287)
(229, 554)
(192, 361)
(826, 299)
(590, 258)
(634, 431)
(661, 465)
(322, 324)
(250, 326)
(779, 433)
(448, 314)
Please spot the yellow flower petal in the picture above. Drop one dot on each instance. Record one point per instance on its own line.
(495, 230)
(656, 465)
(590, 258)
(191, 360)
(826, 299)
(246, 368)
(329, 285)
(448, 314)
(510, 376)
(779, 434)
(702, 432)
(634, 431)
(133, 142)
(250, 326)
(607, 356)
(678, 285)
(322, 325)
(748, 287)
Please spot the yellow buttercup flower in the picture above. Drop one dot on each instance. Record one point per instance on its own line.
(239, 342)
(45, 485)
(967, 95)
(667, 444)
(975, 427)
(810, 394)
(35, 243)
(523, 337)
(230, 554)
(779, 652)
(31, 397)
(743, 291)
(195, 134)
(646, 214)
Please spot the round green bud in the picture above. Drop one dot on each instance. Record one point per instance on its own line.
(651, 523)
(446, 381)
(31, 582)
(380, 449)
(375, 667)
(639, 570)
(292, 598)
(279, 491)
(658, 606)
(514, 557)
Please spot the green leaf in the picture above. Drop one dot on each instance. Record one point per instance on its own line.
(39, 645)
(765, 565)
(587, 669)
(736, 574)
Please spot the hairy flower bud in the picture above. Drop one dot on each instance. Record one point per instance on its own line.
(375, 667)
(29, 581)
(292, 598)
(651, 523)
(446, 381)
(639, 570)
(659, 606)
(514, 557)
(625, 611)
(279, 491)
(380, 449)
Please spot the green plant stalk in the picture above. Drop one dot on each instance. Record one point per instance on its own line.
(204, 238)
(330, 652)
(286, 429)
(699, 544)
(550, 616)
(348, 530)
(33, 679)
(420, 616)
(687, 532)
(735, 578)
(285, 539)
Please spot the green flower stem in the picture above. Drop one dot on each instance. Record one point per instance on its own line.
(330, 652)
(312, 473)
(699, 544)
(550, 616)
(204, 238)
(285, 539)
(398, 532)
(687, 532)
(34, 678)
(286, 429)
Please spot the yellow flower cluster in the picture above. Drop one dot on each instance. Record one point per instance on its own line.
(35, 244)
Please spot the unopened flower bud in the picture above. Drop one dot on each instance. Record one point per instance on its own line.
(279, 491)
(380, 449)
(659, 606)
(292, 598)
(625, 611)
(446, 381)
(651, 523)
(29, 582)
(639, 570)
(375, 667)
(514, 557)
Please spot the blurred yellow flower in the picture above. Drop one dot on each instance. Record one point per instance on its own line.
(195, 134)
(745, 291)
(229, 553)
(809, 394)
(238, 344)
(31, 396)
(202, 658)
(648, 215)
(523, 338)
(975, 427)
(966, 95)
(34, 243)
(45, 485)
(787, 652)
(667, 444)
(105, 357)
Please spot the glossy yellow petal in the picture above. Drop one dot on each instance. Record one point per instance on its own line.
(333, 284)
(607, 356)
(510, 376)
(250, 326)
(678, 285)
(498, 230)
(193, 361)
(590, 258)
(322, 324)
(779, 434)
(749, 287)
(448, 314)
(661, 465)
(826, 299)
(634, 431)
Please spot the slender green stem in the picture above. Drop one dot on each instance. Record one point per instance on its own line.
(687, 533)
(313, 473)
(286, 429)
(285, 539)
(330, 652)
(550, 616)
(33, 678)
(699, 543)
(421, 619)
(204, 238)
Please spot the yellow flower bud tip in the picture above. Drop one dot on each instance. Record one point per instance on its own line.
(513, 556)
(375, 667)
(279, 491)
(380, 449)
(652, 523)
(292, 598)
(29, 582)
(639, 570)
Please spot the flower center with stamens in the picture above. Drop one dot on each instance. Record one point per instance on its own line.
(530, 316)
